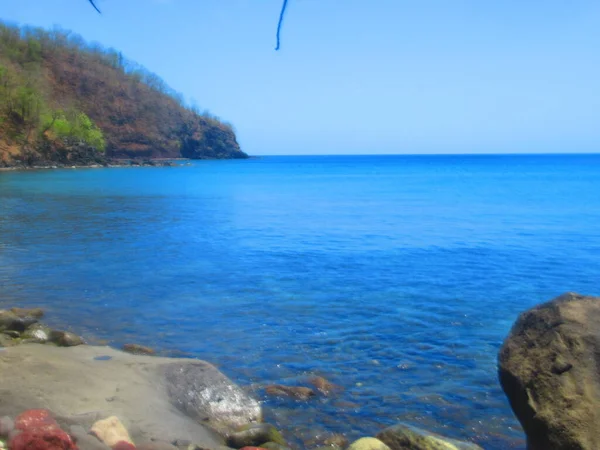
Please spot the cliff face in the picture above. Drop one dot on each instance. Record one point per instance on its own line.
(59, 95)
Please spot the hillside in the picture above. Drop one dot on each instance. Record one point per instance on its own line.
(64, 101)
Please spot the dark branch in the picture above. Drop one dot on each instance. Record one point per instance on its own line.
(95, 7)
(280, 23)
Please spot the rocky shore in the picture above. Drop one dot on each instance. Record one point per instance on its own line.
(58, 393)
(104, 163)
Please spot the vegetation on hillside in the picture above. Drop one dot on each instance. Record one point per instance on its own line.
(65, 101)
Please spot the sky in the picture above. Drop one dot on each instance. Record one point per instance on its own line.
(365, 76)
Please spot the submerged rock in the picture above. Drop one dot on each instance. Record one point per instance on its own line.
(275, 446)
(298, 392)
(323, 385)
(402, 437)
(136, 349)
(65, 339)
(548, 368)
(368, 443)
(254, 435)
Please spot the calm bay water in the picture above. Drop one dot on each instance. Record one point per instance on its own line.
(396, 277)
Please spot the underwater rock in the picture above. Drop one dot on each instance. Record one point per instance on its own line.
(368, 443)
(323, 385)
(297, 392)
(276, 446)
(548, 368)
(36, 313)
(136, 349)
(336, 440)
(255, 434)
(402, 437)
(65, 339)
(111, 431)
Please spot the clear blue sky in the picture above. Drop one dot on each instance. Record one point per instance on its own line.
(365, 76)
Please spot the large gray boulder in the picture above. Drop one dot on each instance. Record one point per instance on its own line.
(156, 398)
(549, 367)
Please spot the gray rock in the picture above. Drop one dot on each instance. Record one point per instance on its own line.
(37, 333)
(10, 321)
(254, 435)
(6, 426)
(402, 437)
(200, 391)
(73, 379)
(548, 368)
(65, 339)
(84, 440)
(155, 445)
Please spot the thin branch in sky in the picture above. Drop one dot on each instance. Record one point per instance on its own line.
(280, 23)
(94, 5)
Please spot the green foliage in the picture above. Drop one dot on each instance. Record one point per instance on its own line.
(75, 126)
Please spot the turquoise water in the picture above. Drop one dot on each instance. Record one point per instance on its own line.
(396, 277)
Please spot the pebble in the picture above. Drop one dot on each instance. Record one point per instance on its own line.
(112, 432)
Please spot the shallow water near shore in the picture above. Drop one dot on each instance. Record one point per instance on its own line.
(396, 277)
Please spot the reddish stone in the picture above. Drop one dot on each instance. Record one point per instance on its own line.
(35, 418)
(122, 445)
(44, 438)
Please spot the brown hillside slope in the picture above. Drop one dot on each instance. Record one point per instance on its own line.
(59, 95)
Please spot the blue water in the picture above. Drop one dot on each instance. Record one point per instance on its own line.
(396, 277)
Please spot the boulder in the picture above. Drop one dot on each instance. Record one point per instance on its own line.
(136, 349)
(297, 392)
(155, 397)
(549, 370)
(368, 443)
(402, 437)
(111, 431)
(11, 322)
(65, 339)
(37, 333)
(199, 390)
(254, 435)
(36, 313)
(336, 440)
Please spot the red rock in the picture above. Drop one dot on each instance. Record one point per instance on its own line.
(44, 438)
(35, 418)
(123, 445)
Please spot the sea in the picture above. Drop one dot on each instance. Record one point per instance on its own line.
(395, 277)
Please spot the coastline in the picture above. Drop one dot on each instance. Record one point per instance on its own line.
(84, 385)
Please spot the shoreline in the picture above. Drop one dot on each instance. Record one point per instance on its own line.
(26, 343)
